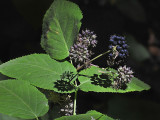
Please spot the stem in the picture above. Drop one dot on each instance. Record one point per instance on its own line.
(37, 118)
(71, 61)
(75, 100)
(92, 60)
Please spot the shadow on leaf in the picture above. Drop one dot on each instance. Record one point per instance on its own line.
(65, 83)
(101, 80)
(105, 81)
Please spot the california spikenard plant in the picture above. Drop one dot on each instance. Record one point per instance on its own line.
(66, 68)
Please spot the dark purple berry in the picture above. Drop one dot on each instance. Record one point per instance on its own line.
(122, 38)
(114, 42)
(113, 37)
(123, 42)
(120, 55)
(125, 51)
(122, 51)
(126, 54)
(119, 42)
(110, 54)
(111, 40)
(123, 54)
(125, 46)
(110, 47)
(118, 48)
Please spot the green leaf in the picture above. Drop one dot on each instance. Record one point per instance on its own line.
(6, 117)
(137, 51)
(41, 71)
(61, 25)
(19, 99)
(99, 80)
(2, 77)
(91, 115)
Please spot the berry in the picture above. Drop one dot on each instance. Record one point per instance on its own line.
(125, 46)
(118, 48)
(124, 55)
(125, 51)
(80, 52)
(114, 42)
(110, 47)
(125, 75)
(110, 54)
(120, 55)
(119, 42)
(123, 42)
(111, 40)
(122, 51)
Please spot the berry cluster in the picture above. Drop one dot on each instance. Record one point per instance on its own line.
(81, 52)
(118, 48)
(67, 107)
(125, 74)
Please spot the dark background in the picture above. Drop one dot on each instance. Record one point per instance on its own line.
(138, 20)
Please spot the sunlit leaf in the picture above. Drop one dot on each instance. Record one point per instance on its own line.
(99, 80)
(20, 99)
(61, 25)
(91, 115)
(40, 70)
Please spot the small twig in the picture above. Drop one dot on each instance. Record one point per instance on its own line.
(80, 67)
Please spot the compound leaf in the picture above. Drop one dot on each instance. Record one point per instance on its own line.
(19, 99)
(100, 80)
(40, 70)
(61, 25)
(90, 115)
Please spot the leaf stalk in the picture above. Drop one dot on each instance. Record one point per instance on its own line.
(75, 100)
(80, 67)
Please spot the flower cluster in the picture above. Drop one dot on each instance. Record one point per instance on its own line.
(67, 107)
(81, 52)
(125, 74)
(118, 49)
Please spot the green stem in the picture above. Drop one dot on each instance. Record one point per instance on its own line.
(71, 61)
(37, 118)
(75, 100)
(92, 60)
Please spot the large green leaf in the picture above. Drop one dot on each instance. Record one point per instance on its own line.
(19, 99)
(61, 25)
(91, 115)
(40, 70)
(6, 117)
(2, 77)
(93, 79)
